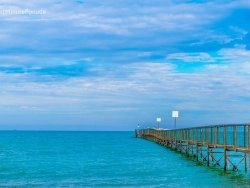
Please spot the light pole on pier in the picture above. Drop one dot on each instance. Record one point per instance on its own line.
(175, 114)
(158, 120)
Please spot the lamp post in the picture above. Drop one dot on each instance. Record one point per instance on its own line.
(158, 120)
(175, 114)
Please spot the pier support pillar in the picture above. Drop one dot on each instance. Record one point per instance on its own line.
(245, 158)
(197, 153)
(225, 159)
(208, 156)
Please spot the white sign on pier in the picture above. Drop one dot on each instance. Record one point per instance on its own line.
(158, 120)
(175, 114)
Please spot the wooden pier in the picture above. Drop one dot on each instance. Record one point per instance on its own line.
(226, 146)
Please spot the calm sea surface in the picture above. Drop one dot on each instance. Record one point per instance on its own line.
(100, 159)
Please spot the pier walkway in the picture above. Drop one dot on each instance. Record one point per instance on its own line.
(227, 146)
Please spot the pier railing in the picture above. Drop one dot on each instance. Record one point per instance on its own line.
(228, 138)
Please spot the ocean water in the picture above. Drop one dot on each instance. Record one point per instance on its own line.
(100, 159)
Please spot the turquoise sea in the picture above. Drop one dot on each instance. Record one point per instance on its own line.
(100, 159)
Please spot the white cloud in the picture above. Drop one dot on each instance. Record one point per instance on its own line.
(145, 86)
(191, 57)
(140, 83)
(236, 55)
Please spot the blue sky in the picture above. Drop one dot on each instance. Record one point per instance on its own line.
(114, 64)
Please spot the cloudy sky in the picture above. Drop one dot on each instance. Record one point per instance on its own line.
(114, 64)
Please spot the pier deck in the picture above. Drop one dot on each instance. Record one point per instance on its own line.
(227, 146)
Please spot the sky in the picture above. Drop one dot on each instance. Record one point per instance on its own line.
(117, 64)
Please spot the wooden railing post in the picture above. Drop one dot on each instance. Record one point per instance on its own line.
(217, 134)
(245, 140)
(207, 140)
(235, 137)
(225, 149)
